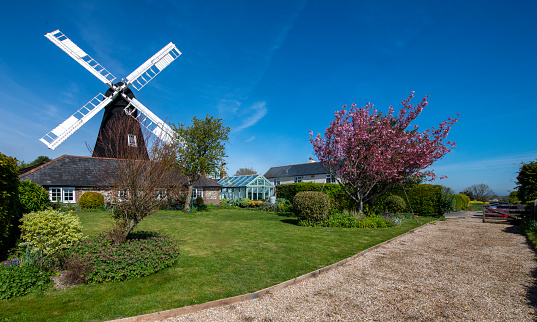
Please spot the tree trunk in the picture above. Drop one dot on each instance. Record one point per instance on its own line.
(188, 199)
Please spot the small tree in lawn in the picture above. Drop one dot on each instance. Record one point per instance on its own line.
(139, 179)
(369, 151)
(201, 150)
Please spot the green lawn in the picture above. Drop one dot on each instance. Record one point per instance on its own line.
(224, 253)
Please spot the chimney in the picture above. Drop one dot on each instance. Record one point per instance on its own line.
(311, 160)
(223, 171)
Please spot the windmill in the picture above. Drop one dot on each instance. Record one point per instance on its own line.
(118, 102)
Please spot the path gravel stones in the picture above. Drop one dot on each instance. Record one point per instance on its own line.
(458, 269)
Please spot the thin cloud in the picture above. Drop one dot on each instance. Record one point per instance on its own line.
(495, 163)
(250, 139)
(256, 112)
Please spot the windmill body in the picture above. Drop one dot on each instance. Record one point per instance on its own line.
(122, 111)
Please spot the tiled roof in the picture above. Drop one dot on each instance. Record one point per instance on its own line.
(294, 170)
(76, 171)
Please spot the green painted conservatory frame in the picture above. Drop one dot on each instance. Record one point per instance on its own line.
(253, 187)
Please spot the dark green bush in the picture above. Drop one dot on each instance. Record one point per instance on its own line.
(100, 260)
(338, 198)
(32, 197)
(19, 280)
(91, 200)
(9, 203)
(311, 206)
(423, 200)
(395, 204)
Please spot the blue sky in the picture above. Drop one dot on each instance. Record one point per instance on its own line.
(273, 70)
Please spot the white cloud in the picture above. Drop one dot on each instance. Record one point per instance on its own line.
(250, 139)
(254, 115)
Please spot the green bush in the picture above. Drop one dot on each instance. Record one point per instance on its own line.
(395, 204)
(99, 259)
(312, 206)
(461, 202)
(338, 198)
(9, 203)
(50, 231)
(19, 280)
(342, 219)
(423, 200)
(91, 200)
(32, 197)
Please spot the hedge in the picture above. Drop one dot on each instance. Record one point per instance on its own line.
(422, 199)
(9, 203)
(338, 198)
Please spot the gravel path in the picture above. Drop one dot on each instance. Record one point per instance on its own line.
(458, 269)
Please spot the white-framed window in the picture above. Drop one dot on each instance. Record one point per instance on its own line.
(62, 194)
(197, 192)
(330, 178)
(122, 195)
(276, 182)
(131, 140)
(299, 179)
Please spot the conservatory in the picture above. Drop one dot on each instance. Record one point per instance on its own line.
(253, 187)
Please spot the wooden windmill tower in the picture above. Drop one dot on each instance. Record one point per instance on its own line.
(121, 108)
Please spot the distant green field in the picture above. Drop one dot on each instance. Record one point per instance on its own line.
(224, 252)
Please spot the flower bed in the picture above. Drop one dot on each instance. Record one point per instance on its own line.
(99, 260)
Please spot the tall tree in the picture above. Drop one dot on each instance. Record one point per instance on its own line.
(201, 149)
(38, 161)
(367, 149)
(479, 192)
(527, 181)
(245, 172)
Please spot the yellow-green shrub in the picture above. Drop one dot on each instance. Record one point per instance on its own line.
(91, 200)
(50, 231)
(255, 203)
(32, 197)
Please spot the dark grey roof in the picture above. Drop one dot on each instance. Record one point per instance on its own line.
(203, 182)
(296, 170)
(72, 171)
(76, 171)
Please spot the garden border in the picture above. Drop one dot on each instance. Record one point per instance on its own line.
(250, 296)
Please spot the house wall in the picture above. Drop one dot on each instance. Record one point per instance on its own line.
(317, 178)
(211, 196)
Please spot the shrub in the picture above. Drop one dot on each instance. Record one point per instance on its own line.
(267, 206)
(224, 202)
(255, 203)
(245, 202)
(461, 202)
(343, 219)
(100, 260)
(311, 206)
(91, 200)
(19, 280)
(9, 203)
(395, 204)
(50, 231)
(32, 197)
(338, 198)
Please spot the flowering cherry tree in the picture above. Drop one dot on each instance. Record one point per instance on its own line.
(369, 151)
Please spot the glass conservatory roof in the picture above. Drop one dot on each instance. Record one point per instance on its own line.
(242, 181)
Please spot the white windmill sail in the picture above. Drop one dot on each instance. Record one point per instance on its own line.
(55, 137)
(151, 122)
(153, 66)
(58, 38)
